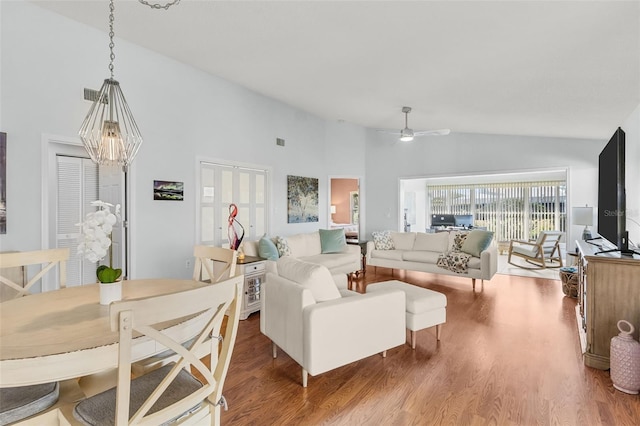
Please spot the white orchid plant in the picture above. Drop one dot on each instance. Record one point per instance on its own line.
(95, 239)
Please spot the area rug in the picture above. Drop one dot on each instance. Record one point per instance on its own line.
(505, 268)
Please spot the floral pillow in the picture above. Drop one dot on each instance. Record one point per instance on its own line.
(383, 240)
(458, 241)
(283, 246)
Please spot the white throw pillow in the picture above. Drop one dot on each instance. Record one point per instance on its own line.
(403, 240)
(316, 278)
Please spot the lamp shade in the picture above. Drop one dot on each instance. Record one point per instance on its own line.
(333, 209)
(582, 216)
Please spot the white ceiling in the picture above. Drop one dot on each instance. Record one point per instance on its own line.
(548, 68)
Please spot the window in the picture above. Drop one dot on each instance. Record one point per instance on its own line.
(513, 210)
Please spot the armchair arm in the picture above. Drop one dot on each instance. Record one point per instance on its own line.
(344, 330)
(489, 262)
(282, 304)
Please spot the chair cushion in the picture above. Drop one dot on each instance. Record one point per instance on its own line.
(332, 240)
(24, 401)
(316, 278)
(476, 242)
(267, 249)
(100, 409)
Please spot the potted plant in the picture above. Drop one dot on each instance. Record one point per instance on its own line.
(95, 244)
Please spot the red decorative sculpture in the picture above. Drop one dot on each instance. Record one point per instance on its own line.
(234, 228)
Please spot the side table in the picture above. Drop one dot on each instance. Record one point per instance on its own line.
(363, 252)
(253, 269)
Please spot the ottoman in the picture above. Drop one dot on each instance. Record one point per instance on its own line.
(425, 308)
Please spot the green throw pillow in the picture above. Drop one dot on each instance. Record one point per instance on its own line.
(477, 240)
(332, 240)
(267, 249)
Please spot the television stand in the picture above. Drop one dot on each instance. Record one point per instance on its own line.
(622, 252)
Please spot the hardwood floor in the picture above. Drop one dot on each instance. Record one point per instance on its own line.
(509, 355)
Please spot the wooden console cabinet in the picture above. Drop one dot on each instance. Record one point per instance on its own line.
(608, 291)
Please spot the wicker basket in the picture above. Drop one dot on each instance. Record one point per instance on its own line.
(569, 283)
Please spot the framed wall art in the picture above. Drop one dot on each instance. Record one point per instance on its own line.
(302, 199)
(168, 190)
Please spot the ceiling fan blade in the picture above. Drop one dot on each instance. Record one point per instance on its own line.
(440, 132)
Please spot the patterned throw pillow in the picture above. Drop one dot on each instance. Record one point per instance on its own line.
(283, 246)
(382, 240)
(458, 240)
(454, 261)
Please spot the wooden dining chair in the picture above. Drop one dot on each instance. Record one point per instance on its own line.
(216, 262)
(48, 259)
(213, 264)
(171, 392)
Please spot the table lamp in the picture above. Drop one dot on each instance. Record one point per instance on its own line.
(583, 216)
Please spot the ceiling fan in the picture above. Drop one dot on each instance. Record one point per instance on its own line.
(407, 134)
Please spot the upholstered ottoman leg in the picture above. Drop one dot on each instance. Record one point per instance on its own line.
(274, 349)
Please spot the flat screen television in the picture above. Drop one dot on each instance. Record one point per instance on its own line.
(611, 193)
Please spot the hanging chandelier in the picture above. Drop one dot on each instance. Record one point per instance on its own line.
(109, 131)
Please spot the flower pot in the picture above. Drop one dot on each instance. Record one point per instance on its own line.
(110, 292)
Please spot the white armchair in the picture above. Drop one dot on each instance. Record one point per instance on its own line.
(323, 327)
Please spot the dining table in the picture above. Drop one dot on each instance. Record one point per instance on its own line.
(66, 333)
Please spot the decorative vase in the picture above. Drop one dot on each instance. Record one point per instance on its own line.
(625, 360)
(110, 292)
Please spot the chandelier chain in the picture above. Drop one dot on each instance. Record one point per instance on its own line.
(158, 5)
(112, 56)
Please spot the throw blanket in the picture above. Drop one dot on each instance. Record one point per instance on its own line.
(454, 261)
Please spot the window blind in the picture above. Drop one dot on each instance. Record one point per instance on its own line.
(513, 210)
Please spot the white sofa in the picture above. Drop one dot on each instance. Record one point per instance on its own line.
(321, 324)
(419, 251)
(308, 247)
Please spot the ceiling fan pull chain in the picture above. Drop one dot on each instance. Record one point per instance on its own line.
(158, 5)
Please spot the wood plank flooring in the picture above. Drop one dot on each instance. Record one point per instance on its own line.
(509, 355)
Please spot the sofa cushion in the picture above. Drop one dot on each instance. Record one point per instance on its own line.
(267, 249)
(403, 240)
(387, 254)
(332, 240)
(330, 260)
(474, 263)
(307, 244)
(283, 246)
(316, 278)
(438, 242)
(422, 256)
(382, 240)
(476, 242)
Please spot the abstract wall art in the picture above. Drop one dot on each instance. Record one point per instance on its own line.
(302, 199)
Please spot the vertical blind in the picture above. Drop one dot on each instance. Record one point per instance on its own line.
(513, 210)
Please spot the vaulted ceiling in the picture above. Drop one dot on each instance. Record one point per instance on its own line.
(547, 68)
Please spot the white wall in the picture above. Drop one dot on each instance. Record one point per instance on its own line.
(470, 154)
(631, 126)
(47, 60)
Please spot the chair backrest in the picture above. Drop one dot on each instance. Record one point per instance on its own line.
(548, 241)
(48, 259)
(139, 316)
(214, 263)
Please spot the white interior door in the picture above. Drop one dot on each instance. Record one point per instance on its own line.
(222, 185)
